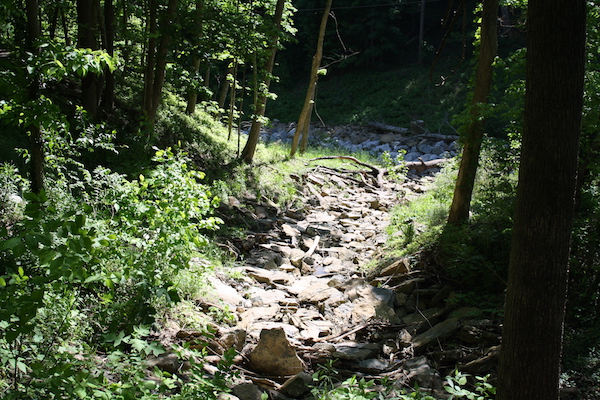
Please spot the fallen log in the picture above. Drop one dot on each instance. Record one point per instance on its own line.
(389, 128)
(421, 165)
(375, 171)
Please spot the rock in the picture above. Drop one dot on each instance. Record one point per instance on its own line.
(320, 292)
(439, 332)
(420, 372)
(225, 292)
(371, 303)
(274, 356)
(227, 396)
(482, 365)
(261, 297)
(373, 365)
(258, 314)
(297, 385)
(233, 339)
(355, 351)
(168, 362)
(247, 391)
(398, 267)
(269, 276)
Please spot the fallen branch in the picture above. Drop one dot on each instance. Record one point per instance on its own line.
(421, 165)
(335, 338)
(390, 128)
(375, 171)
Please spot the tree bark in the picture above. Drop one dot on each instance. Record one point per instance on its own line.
(192, 96)
(535, 302)
(225, 86)
(261, 103)
(86, 25)
(108, 99)
(463, 191)
(305, 114)
(161, 55)
(152, 28)
(35, 135)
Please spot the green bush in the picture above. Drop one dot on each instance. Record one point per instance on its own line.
(76, 267)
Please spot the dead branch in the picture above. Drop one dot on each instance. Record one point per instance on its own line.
(375, 171)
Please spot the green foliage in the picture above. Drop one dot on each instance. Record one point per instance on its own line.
(455, 386)
(475, 254)
(327, 387)
(75, 267)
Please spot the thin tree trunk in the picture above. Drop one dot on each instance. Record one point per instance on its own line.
(535, 301)
(65, 27)
(33, 130)
(152, 28)
(192, 97)
(463, 191)
(161, 57)
(53, 21)
(305, 114)
(232, 86)
(261, 101)
(86, 25)
(109, 22)
(225, 87)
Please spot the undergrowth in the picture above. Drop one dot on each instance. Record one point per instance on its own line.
(475, 255)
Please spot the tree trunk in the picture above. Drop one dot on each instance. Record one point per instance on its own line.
(109, 23)
(192, 96)
(225, 86)
(86, 25)
(305, 114)
(463, 191)
(65, 27)
(53, 21)
(261, 103)
(152, 28)
(161, 58)
(535, 302)
(35, 135)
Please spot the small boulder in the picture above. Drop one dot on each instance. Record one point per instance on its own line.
(274, 355)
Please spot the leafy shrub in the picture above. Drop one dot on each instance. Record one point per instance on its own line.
(72, 270)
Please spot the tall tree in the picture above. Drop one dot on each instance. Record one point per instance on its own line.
(304, 118)
(34, 131)
(109, 39)
(261, 103)
(535, 302)
(192, 96)
(156, 59)
(463, 191)
(87, 23)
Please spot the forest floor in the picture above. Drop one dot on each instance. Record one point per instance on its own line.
(317, 286)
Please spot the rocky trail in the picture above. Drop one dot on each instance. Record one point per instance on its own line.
(315, 286)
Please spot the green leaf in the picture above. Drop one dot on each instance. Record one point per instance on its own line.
(80, 221)
(94, 278)
(10, 243)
